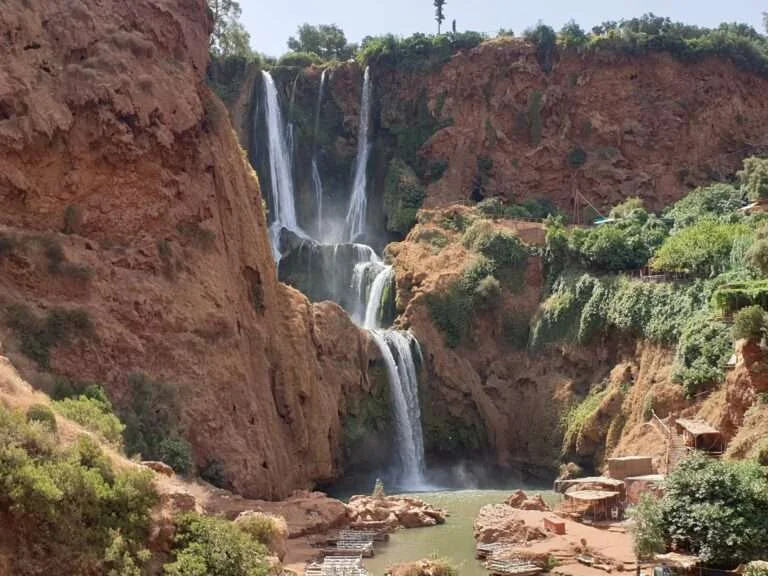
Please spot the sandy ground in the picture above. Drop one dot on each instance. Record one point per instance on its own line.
(612, 542)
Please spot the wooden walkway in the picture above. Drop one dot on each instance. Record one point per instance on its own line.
(337, 566)
(513, 567)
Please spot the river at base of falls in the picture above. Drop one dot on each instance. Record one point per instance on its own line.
(452, 541)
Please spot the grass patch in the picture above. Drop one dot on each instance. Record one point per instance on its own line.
(576, 418)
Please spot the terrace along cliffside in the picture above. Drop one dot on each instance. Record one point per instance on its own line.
(109, 133)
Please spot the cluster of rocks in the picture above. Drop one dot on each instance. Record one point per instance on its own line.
(392, 512)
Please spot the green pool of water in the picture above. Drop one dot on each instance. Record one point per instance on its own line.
(452, 541)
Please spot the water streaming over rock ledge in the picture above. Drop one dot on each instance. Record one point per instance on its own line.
(283, 208)
(350, 274)
(359, 202)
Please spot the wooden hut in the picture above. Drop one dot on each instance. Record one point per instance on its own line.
(625, 466)
(589, 483)
(647, 484)
(595, 505)
(700, 435)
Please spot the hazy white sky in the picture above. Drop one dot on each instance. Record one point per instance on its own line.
(270, 22)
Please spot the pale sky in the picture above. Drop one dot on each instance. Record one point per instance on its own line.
(272, 22)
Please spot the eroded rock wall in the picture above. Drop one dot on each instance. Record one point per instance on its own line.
(108, 132)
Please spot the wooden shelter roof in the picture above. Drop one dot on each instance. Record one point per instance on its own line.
(591, 495)
(593, 480)
(697, 427)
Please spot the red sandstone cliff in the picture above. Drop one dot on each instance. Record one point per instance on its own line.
(108, 130)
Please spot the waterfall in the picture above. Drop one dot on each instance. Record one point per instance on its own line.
(350, 274)
(283, 209)
(317, 182)
(317, 190)
(380, 282)
(358, 203)
(397, 350)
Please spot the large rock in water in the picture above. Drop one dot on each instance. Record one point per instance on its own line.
(395, 511)
(109, 132)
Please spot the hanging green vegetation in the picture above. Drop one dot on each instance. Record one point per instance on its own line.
(403, 196)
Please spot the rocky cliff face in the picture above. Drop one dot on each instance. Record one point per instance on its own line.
(108, 133)
(604, 125)
(595, 129)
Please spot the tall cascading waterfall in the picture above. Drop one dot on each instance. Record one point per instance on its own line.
(282, 195)
(358, 203)
(351, 274)
(317, 182)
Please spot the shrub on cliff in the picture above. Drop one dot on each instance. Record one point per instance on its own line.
(754, 177)
(94, 414)
(417, 52)
(67, 506)
(215, 547)
(750, 323)
(702, 351)
(271, 531)
(42, 414)
(545, 40)
(403, 196)
(37, 335)
(703, 249)
(716, 202)
(502, 247)
(152, 424)
(452, 310)
(299, 59)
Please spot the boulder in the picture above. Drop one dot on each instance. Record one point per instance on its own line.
(522, 501)
(159, 467)
(502, 523)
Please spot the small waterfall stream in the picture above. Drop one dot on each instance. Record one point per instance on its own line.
(317, 182)
(351, 274)
(358, 204)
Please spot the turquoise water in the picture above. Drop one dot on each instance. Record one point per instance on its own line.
(452, 541)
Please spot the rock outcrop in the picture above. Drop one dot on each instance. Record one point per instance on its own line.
(394, 512)
(501, 523)
(109, 134)
(521, 501)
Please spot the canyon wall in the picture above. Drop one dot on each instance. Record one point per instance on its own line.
(127, 199)
(596, 128)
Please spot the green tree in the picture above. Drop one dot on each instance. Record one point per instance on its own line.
(765, 21)
(326, 40)
(439, 15)
(572, 35)
(757, 255)
(208, 546)
(703, 249)
(718, 510)
(229, 37)
(647, 530)
(754, 177)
